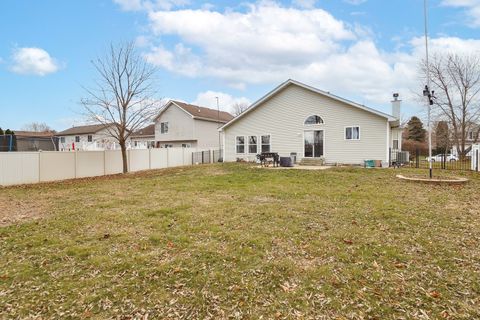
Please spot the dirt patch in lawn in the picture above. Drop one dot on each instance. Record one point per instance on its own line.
(13, 210)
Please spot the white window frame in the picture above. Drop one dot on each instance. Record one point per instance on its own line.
(168, 145)
(186, 145)
(244, 144)
(352, 139)
(77, 139)
(393, 144)
(269, 142)
(313, 124)
(62, 139)
(162, 127)
(256, 145)
(89, 138)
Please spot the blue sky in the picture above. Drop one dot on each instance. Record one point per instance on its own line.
(363, 50)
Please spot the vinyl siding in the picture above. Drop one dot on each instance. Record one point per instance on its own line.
(180, 126)
(98, 139)
(283, 117)
(396, 135)
(206, 133)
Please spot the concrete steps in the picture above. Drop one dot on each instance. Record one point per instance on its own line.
(312, 162)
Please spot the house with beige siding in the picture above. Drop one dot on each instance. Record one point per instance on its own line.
(298, 120)
(186, 125)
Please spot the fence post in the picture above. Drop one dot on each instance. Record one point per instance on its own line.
(202, 157)
(417, 159)
(477, 160)
(167, 156)
(104, 162)
(149, 159)
(192, 160)
(389, 157)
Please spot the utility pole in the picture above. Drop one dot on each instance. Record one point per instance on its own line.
(426, 92)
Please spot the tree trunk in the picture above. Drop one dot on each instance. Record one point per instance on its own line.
(123, 147)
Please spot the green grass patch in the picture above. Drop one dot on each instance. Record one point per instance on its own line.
(234, 241)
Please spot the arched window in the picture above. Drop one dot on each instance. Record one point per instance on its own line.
(314, 120)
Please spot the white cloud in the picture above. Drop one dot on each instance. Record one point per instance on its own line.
(35, 61)
(307, 4)
(226, 101)
(268, 43)
(233, 43)
(137, 5)
(472, 9)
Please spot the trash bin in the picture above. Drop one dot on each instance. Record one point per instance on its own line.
(293, 156)
(369, 163)
(286, 162)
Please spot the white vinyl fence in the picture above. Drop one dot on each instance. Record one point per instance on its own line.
(475, 157)
(33, 167)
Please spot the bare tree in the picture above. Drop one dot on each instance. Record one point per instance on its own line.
(37, 127)
(123, 98)
(238, 108)
(456, 82)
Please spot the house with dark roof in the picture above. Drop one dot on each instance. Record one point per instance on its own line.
(143, 138)
(87, 138)
(185, 125)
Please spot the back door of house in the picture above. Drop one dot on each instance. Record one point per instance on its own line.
(313, 143)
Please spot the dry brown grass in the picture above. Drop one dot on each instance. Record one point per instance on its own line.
(234, 242)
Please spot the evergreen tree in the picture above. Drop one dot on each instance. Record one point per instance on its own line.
(1, 132)
(8, 131)
(442, 136)
(416, 132)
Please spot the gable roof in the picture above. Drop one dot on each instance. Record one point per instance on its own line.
(144, 132)
(197, 112)
(94, 128)
(310, 88)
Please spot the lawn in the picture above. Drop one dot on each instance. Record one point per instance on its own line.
(233, 241)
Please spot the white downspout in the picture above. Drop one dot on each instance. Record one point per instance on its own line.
(388, 143)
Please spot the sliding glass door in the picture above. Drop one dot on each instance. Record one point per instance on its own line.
(313, 144)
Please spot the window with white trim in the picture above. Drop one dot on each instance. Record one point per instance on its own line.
(62, 139)
(252, 144)
(77, 138)
(395, 144)
(164, 127)
(314, 120)
(89, 138)
(352, 133)
(186, 145)
(168, 145)
(240, 144)
(266, 143)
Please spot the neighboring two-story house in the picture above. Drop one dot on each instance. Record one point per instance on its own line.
(90, 137)
(189, 126)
